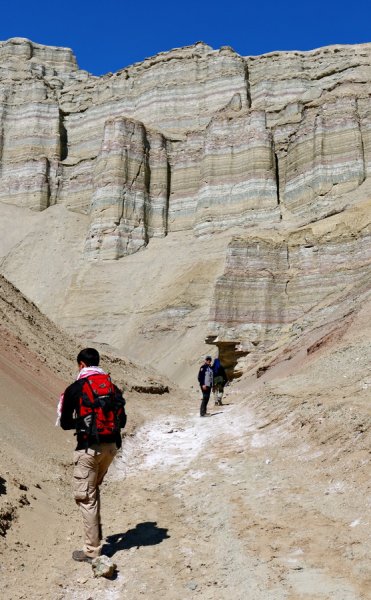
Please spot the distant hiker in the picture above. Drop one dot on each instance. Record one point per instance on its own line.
(93, 406)
(220, 380)
(205, 379)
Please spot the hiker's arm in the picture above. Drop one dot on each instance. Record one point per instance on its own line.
(121, 399)
(123, 419)
(68, 408)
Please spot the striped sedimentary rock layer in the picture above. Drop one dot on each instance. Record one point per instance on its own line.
(145, 187)
(193, 139)
(323, 157)
(174, 92)
(276, 285)
(41, 59)
(224, 176)
(31, 128)
(280, 80)
(238, 173)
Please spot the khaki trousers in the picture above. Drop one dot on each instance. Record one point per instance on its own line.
(91, 465)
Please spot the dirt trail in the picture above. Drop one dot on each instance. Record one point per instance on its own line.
(218, 508)
(223, 507)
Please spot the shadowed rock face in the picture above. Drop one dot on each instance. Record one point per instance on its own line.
(203, 141)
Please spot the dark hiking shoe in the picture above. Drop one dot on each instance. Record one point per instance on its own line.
(80, 556)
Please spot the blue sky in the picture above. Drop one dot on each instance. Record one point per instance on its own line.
(112, 34)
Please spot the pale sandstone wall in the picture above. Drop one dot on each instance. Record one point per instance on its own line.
(60, 60)
(30, 121)
(279, 79)
(173, 92)
(291, 155)
(238, 174)
(321, 158)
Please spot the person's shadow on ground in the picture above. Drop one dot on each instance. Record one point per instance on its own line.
(144, 534)
(2, 486)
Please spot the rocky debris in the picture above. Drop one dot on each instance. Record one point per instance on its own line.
(151, 389)
(103, 566)
(8, 512)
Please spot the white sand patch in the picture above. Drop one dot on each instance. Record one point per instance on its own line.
(336, 487)
(196, 474)
(175, 443)
(355, 523)
(224, 466)
(260, 440)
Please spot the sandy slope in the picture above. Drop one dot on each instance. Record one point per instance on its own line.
(153, 306)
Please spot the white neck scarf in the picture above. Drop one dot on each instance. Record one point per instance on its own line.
(86, 371)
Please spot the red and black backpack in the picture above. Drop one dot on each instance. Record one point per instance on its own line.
(104, 401)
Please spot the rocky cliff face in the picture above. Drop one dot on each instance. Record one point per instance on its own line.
(255, 149)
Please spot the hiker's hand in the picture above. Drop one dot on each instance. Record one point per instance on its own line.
(204, 387)
(88, 421)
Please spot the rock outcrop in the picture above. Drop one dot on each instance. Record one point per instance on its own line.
(277, 287)
(204, 142)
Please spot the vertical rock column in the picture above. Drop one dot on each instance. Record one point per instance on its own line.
(250, 297)
(159, 179)
(129, 203)
(325, 157)
(364, 112)
(238, 180)
(29, 141)
(29, 123)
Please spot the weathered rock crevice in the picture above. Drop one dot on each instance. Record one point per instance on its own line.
(63, 138)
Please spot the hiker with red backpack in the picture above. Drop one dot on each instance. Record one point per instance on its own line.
(93, 406)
